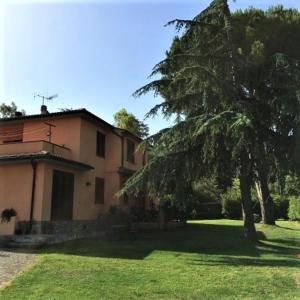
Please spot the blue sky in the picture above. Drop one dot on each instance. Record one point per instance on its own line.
(94, 54)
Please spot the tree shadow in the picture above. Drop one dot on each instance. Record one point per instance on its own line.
(225, 242)
(287, 228)
(241, 261)
(205, 244)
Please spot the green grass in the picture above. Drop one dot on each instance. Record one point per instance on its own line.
(206, 260)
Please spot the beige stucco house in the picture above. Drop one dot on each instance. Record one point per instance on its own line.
(65, 166)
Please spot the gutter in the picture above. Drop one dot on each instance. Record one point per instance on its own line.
(33, 164)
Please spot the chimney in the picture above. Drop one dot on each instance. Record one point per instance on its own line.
(44, 110)
(18, 114)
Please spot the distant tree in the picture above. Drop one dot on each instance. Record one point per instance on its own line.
(125, 120)
(9, 110)
(65, 109)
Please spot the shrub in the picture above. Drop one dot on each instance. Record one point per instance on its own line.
(231, 202)
(281, 204)
(117, 215)
(138, 214)
(292, 185)
(206, 199)
(206, 190)
(231, 208)
(7, 214)
(257, 218)
(113, 209)
(294, 208)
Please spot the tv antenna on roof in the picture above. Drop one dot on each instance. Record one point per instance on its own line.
(44, 98)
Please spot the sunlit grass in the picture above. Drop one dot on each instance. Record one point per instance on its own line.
(206, 260)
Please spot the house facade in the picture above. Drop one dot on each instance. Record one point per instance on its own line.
(65, 166)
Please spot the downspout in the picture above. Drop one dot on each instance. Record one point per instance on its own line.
(122, 154)
(33, 164)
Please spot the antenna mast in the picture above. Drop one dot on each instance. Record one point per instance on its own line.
(44, 98)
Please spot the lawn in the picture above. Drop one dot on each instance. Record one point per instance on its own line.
(205, 260)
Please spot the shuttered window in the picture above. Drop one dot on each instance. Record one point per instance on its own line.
(99, 190)
(130, 151)
(100, 144)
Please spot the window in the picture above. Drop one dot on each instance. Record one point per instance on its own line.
(100, 144)
(130, 151)
(11, 134)
(99, 190)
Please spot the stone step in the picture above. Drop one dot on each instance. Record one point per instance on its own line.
(25, 241)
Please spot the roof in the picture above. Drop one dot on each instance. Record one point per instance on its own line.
(43, 156)
(69, 113)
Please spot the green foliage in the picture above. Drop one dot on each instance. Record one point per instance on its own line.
(7, 214)
(294, 208)
(231, 96)
(257, 218)
(128, 121)
(231, 202)
(234, 77)
(281, 204)
(206, 190)
(206, 200)
(292, 185)
(117, 216)
(9, 110)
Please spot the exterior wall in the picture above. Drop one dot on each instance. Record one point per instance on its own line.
(16, 189)
(105, 167)
(80, 136)
(65, 133)
(34, 147)
(83, 201)
(138, 156)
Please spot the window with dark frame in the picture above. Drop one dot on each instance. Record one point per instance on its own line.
(99, 190)
(100, 144)
(130, 151)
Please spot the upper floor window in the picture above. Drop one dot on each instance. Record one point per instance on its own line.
(130, 151)
(11, 134)
(100, 147)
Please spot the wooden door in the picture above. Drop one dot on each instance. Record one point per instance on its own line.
(62, 196)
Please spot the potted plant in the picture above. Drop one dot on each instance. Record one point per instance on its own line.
(8, 221)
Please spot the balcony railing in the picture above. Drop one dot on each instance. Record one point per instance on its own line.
(34, 147)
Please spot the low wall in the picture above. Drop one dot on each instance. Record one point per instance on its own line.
(157, 225)
(75, 227)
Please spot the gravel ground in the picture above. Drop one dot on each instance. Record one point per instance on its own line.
(12, 262)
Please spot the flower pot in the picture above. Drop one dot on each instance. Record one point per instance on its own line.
(8, 228)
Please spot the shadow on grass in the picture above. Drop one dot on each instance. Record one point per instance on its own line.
(241, 261)
(287, 228)
(223, 244)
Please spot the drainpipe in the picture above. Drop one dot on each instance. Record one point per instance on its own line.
(33, 164)
(122, 154)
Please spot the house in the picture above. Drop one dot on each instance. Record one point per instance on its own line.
(65, 166)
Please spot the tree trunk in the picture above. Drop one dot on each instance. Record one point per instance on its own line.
(263, 193)
(266, 202)
(245, 187)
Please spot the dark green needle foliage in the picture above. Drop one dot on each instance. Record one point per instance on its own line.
(235, 84)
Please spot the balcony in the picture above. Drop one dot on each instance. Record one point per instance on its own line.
(34, 147)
